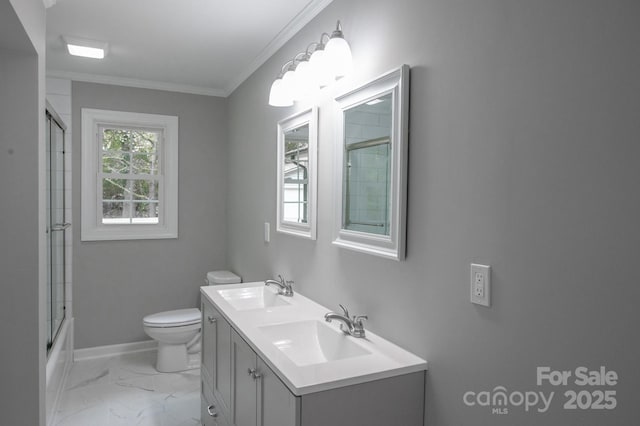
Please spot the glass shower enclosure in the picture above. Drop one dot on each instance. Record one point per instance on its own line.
(56, 224)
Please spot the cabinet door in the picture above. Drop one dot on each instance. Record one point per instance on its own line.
(277, 406)
(222, 379)
(208, 343)
(243, 383)
(208, 410)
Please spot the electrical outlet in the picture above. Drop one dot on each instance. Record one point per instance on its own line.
(480, 284)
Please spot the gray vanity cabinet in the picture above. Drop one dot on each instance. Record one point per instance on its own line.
(239, 389)
(260, 398)
(215, 365)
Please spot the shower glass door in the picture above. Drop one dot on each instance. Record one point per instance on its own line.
(56, 226)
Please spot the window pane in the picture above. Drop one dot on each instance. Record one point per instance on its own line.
(116, 140)
(114, 189)
(115, 162)
(145, 189)
(112, 209)
(145, 164)
(142, 141)
(131, 140)
(145, 212)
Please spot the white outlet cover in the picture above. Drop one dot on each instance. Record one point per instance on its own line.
(480, 284)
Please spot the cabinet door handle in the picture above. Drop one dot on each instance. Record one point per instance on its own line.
(211, 319)
(212, 413)
(254, 373)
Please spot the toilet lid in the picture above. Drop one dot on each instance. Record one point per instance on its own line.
(176, 318)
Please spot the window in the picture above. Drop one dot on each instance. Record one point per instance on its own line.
(129, 175)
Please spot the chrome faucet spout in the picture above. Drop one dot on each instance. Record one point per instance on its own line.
(345, 323)
(285, 288)
(350, 326)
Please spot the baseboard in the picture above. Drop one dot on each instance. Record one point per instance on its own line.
(112, 350)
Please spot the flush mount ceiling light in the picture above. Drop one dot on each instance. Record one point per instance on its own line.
(86, 48)
(318, 66)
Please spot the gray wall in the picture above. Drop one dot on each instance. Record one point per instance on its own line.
(22, 304)
(117, 283)
(524, 155)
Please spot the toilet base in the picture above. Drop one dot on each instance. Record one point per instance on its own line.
(172, 358)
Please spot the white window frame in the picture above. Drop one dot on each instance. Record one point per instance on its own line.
(92, 228)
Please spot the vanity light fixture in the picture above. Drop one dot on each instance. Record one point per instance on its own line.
(318, 66)
(86, 48)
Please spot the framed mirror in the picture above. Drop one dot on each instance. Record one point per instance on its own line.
(370, 186)
(297, 174)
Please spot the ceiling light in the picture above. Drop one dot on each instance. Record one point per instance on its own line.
(86, 48)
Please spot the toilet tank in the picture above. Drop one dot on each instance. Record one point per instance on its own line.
(222, 277)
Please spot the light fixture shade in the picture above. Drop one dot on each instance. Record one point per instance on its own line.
(279, 96)
(321, 70)
(339, 56)
(290, 81)
(307, 85)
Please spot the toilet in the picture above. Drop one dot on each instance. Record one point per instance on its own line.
(178, 332)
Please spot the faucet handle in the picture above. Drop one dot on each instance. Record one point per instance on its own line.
(359, 318)
(358, 326)
(280, 278)
(345, 310)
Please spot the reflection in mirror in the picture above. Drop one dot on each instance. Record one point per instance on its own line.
(295, 194)
(296, 190)
(366, 187)
(371, 166)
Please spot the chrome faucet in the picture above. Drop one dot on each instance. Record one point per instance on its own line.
(353, 326)
(284, 287)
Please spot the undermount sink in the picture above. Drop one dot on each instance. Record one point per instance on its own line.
(312, 342)
(246, 298)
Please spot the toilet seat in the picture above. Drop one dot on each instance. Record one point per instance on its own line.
(176, 318)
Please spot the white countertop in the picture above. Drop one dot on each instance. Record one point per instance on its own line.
(384, 360)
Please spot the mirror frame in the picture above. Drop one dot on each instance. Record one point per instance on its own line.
(392, 246)
(308, 230)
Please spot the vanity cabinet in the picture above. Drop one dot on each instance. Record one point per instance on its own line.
(215, 360)
(260, 398)
(240, 389)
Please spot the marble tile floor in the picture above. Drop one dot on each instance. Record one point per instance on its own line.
(127, 390)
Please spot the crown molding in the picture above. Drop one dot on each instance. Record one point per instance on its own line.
(296, 24)
(132, 82)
